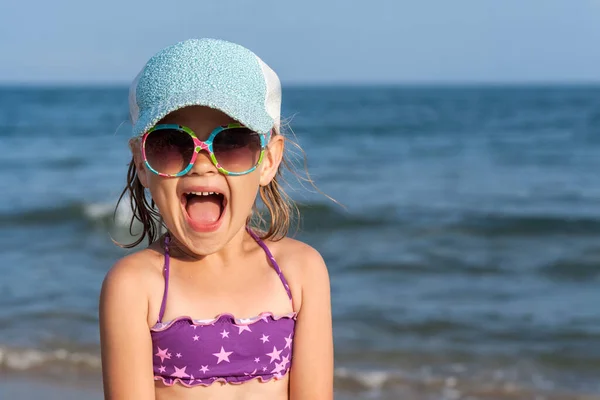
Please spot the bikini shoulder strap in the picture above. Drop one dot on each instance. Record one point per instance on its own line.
(166, 275)
(274, 264)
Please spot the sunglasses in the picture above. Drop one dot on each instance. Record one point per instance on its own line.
(171, 150)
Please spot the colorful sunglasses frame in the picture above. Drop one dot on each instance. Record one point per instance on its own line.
(203, 145)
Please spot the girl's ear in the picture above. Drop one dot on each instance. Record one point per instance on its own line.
(272, 159)
(135, 145)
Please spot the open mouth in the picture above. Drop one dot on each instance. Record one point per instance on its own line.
(204, 209)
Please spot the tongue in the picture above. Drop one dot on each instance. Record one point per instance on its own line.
(204, 209)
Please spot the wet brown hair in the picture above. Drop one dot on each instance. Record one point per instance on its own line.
(273, 223)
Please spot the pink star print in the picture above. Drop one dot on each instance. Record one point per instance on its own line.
(264, 368)
(178, 355)
(243, 328)
(163, 354)
(222, 355)
(162, 368)
(284, 360)
(275, 354)
(288, 342)
(196, 337)
(264, 338)
(224, 334)
(204, 368)
(179, 373)
(257, 359)
(278, 368)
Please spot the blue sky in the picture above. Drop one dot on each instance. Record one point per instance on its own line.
(310, 41)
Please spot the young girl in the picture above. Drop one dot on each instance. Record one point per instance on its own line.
(214, 308)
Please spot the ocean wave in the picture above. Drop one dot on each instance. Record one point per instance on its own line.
(498, 224)
(455, 380)
(424, 268)
(28, 359)
(97, 213)
(315, 216)
(322, 216)
(427, 385)
(582, 269)
(329, 217)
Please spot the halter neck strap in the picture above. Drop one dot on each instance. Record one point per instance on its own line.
(258, 240)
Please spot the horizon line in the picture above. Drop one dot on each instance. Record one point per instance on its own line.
(322, 84)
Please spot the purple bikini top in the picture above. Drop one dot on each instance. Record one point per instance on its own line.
(224, 349)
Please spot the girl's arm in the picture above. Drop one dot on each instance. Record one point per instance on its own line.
(312, 366)
(124, 335)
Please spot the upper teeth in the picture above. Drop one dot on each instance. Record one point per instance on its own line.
(202, 193)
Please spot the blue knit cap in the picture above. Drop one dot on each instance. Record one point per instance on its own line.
(206, 72)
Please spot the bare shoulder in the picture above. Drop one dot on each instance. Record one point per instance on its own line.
(302, 265)
(132, 278)
(297, 257)
(134, 269)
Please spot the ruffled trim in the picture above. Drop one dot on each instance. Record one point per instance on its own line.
(234, 380)
(161, 326)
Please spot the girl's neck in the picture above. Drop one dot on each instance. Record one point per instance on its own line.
(232, 250)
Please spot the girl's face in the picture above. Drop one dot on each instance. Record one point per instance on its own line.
(205, 224)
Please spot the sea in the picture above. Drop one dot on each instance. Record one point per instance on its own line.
(463, 244)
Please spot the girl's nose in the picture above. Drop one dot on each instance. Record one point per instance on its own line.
(203, 165)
